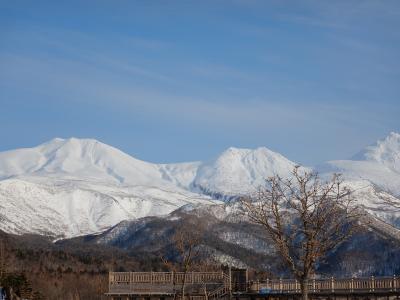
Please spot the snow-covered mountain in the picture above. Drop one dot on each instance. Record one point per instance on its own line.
(70, 187)
(240, 171)
(378, 164)
(78, 186)
(385, 152)
(85, 159)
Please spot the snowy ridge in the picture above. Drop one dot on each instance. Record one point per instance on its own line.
(71, 187)
(376, 201)
(241, 171)
(80, 158)
(181, 174)
(378, 164)
(385, 152)
(64, 209)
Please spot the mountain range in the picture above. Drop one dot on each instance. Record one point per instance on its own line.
(70, 187)
(229, 239)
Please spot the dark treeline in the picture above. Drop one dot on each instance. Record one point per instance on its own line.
(35, 268)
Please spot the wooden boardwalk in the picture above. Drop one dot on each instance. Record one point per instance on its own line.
(330, 285)
(218, 285)
(161, 283)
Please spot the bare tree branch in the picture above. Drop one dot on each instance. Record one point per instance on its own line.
(305, 217)
(186, 243)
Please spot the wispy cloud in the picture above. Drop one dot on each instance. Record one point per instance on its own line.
(82, 82)
(271, 73)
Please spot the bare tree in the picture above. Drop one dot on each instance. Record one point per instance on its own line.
(186, 243)
(305, 219)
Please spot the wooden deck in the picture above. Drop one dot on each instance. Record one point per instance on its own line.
(218, 285)
(162, 283)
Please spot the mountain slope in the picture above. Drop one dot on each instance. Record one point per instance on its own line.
(80, 158)
(229, 238)
(378, 164)
(72, 187)
(386, 152)
(240, 171)
(65, 208)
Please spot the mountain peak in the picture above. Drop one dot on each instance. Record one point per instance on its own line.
(260, 151)
(239, 171)
(80, 158)
(385, 151)
(72, 142)
(58, 141)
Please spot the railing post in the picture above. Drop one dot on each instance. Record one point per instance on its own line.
(230, 282)
(372, 284)
(333, 284)
(313, 285)
(109, 281)
(280, 285)
(394, 283)
(352, 284)
(131, 281)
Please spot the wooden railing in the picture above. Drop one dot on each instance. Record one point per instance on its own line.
(170, 282)
(166, 277)
(160, 282)
(219, 292)
(331, 285)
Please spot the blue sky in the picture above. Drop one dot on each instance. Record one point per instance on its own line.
(170, 81)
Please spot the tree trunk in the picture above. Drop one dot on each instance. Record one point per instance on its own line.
(183, 286)
(183, 291)
(174, 289)
(304, 288)
(205, 292)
